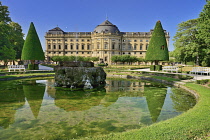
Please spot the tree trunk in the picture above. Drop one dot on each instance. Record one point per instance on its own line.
(156, 62)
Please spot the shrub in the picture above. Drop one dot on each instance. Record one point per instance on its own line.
(202, 82)
(158, 67)
(152, 67)
(33, 66)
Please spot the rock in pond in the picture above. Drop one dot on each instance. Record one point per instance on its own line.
(79, 75)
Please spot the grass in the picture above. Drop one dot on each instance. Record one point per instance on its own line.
(25, 75)
(193, 124)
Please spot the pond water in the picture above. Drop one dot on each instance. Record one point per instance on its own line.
(35, 109)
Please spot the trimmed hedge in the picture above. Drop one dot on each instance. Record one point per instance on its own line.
(32, 49)
(152, 67)
(157, 50)
(33, 67)
(158, 67)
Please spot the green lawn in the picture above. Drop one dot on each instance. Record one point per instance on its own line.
(25, 75)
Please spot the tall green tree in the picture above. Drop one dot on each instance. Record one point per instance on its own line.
(157, 50)
(192, 41)
(4, 14)
(32, 49)
(204, 34)
(16, 38)
(11, 37)
(187, 47)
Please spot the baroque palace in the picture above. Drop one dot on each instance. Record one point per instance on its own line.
(105, 41)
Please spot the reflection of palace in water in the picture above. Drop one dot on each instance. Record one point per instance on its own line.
(130, 86)
(32, 92)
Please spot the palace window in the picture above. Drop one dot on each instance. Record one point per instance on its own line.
(147, 40)
(141, 41)
(82, 46)
(140, 52)
(88, 40)
(77, 40)
(135, 47)
(134, 40)
(72, 46)
(77, 46)
(141, 46)
(113, 46)
(98, 46)
(54, 46)
(59, 47)
(105, 46)
(66, 46)
(88, 46)
(49, 46)
(71, 40)
(82, 40)
(147, 46)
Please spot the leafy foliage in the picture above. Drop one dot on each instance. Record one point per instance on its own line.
(11, 37)
(125, 58)
(192, 39)
(157, 50)
(73, 58)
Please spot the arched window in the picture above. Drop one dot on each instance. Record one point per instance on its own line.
(147, 46)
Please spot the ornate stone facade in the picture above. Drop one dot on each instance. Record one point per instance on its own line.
(105, 41)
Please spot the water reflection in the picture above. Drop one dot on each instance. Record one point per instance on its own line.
(37, 108)
(11, 99)
(78, 100)
(34, 92)
(155, 99)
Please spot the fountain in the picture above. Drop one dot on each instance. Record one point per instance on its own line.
(79, 75)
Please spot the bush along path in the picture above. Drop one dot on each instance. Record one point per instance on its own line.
(193, 124)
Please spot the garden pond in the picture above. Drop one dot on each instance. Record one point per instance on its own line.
(35, 109)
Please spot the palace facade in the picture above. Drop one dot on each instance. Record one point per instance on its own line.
(105, 41)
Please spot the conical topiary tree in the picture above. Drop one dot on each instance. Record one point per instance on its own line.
(32, 48)
(157, 50)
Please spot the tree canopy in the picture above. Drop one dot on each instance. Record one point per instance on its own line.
(192, 41)
(124, 58)
(32, 49)
(11, 37)
(157, 50)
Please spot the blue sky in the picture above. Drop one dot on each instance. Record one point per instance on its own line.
(85, 15)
